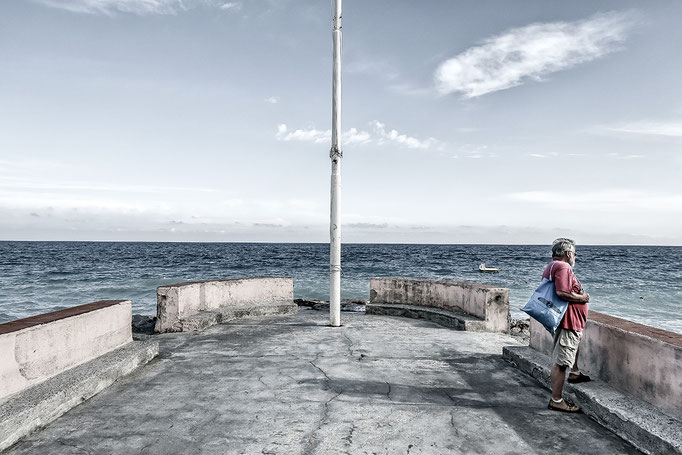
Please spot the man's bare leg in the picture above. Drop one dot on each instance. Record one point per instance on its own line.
(558, 376)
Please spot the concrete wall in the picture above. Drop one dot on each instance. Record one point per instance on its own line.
(37, 348)
(489, 303)
(177, 301)
(634, 358)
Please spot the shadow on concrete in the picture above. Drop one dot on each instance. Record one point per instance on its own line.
(506, 392)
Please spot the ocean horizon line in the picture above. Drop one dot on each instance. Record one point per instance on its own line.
(260, 242)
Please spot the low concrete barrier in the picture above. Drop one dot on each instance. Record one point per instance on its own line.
(489, 304)
(37, 348)
(52, 362)
(195, 305)
(639, 360)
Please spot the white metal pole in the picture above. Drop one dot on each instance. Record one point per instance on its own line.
(335, 155)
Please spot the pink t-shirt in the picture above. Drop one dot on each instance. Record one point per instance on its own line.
(566, 281)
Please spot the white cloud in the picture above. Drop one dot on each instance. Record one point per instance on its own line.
(272, 100)
(20, 183)
(309, 135)
(382, 136)
(530, 52)
(141, 7)
(353, 136)
(474, 152)
(84, 203)
(372, 67)
(392, 136)
(649, 128)
(614, 200)
(218, 207)
(231, 6)
(32, 166)
(620, 156)
(544, 155)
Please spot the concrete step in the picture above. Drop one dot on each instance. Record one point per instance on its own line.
(446, 318)
(35, 407)
(205, 319)
(636, 421)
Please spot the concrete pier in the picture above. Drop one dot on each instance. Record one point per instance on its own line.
(294, 385)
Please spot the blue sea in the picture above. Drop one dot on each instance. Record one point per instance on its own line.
(639, 283)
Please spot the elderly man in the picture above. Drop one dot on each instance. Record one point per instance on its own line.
(569, 333)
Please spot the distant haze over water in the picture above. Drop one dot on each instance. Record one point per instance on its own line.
(639, 283)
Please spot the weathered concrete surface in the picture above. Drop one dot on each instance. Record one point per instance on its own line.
(639, 360)
(634, 420)
(37, 348)
(457, 321)
(176, 302)
(293, 385)
(24, 412)
(490, 303)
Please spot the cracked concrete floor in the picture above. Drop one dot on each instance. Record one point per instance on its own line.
(293, 385)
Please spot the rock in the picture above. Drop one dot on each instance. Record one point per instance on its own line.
(348, 305)
(310, 303)
(520, 328)
(143, 324)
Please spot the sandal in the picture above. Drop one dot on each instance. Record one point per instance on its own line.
(562, 406)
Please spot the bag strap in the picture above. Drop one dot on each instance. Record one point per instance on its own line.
(550, 275)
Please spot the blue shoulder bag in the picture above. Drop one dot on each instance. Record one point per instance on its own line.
(545, 306)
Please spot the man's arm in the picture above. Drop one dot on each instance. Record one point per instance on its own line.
(572, 297)
(563, 284)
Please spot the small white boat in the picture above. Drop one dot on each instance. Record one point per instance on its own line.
(483, 269)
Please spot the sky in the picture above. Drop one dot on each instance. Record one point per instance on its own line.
(463, 122)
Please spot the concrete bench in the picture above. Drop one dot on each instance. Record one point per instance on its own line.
(46, 362)
(199, 304)
(455, 304)
(636, 390)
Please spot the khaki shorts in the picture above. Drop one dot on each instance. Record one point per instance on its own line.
(566, 342)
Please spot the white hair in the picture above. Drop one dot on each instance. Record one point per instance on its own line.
(562, 246)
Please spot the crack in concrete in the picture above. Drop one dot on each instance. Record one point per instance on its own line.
(148, 446)
(452, 423)
(349, 438)
(388, 394)
(75, 446)
(312, 362)
(350, 345)
(207, 418)
(387, 423)
(310, 440)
